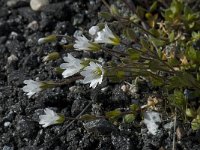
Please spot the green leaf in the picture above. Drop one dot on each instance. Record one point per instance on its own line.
(120, 74)
(177, 99)
(191, 54)
(88, 117)
(113, 115)
(182, 80)
(59, 70)
(196, 123)
(157, 82)
(129, 118)
(157, 41)
(129, 33)
(173, 62)
(145, 44)
(155, 32)
(155, 65)
(106, 15)
(134, 107)
(153, 6)
(133, 54)
(171, 36)
(68, 46)
(190, 112)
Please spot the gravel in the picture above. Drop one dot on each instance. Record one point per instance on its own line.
(21, 58)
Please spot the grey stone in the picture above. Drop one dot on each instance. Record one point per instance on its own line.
(26, 128)
(58, 10)
(77, 106)
(17, 3)
(100, 126)
(3, 12)
(122, 142)
(4, 28)
(8, 148)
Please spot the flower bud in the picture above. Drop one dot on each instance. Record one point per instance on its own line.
(51, 56)
(50, 38)
(114, 11)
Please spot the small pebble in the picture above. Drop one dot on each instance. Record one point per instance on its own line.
(6, 124)
(8, 148)
(12, 58)
(33, 25)
(36, 5)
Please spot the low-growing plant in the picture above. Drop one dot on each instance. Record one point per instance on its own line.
(160, 43)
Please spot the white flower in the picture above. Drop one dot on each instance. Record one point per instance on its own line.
(78, 33)
(82, 43)
(32, 87)
(50, 118)
(72, 66)
(150, 119)
(93, 74)
(93, 30)
(106, 36)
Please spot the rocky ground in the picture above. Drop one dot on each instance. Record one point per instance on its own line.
(21, 59)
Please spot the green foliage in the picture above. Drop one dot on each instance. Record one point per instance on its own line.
(160, 46)
(134, 55)
(105, 15)
(129, 118)
(133, 107)
(177, 99)
(196, 123)
(129, 33)
(88, 117)
(113, 115)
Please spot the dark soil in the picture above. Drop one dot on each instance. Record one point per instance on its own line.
(20, 28)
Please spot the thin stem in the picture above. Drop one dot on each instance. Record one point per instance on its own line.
(106, 4)
(117, 52)
(174, 135)
(66, 81)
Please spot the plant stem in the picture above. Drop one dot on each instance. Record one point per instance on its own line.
(174, 135)
(106, 4)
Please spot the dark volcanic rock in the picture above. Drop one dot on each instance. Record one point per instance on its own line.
(55, 97)
(58, 10)
(4, 12)
(122, 142)
(78, 105)
(100, 126)
(28, 14)
(17, 3)
(26, 128)
(47, 23)
(4, 28)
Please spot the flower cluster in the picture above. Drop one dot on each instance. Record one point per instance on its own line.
(92, 71)
(100, 36)
(92, 74)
